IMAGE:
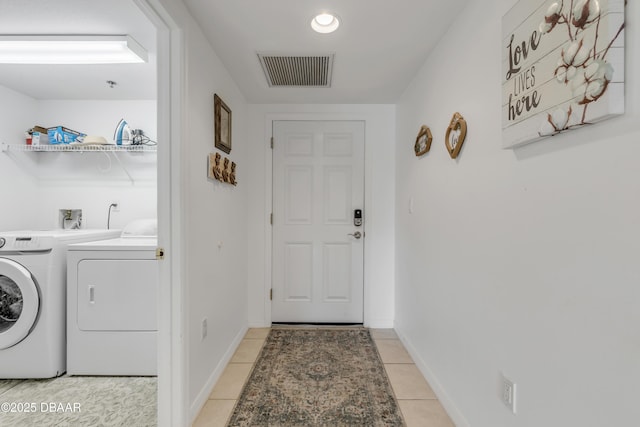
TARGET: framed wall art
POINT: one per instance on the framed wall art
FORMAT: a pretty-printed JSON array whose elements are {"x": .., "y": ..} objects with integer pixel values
[
  {"x": 455, "y": 135},
  {"x": 221, "y": 169},
  {"x": 562, "y": 66},
  {"x": 423, "y": 141},
  {"x": 222, "y": 124}
]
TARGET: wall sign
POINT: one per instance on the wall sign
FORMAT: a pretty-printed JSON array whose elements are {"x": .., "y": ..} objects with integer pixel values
[{"x": 562, "y": 66}]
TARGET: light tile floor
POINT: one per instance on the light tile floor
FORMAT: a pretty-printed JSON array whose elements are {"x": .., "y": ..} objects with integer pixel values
[{"x": 418, "y": 403}]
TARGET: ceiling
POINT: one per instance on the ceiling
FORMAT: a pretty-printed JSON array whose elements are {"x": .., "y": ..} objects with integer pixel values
[
  {"x": 378, "y": 48},
  {"x": 112, "y": 17}
]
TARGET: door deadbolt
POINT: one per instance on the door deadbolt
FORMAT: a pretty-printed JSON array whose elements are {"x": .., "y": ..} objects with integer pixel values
[{"x": 357, "y": 217}]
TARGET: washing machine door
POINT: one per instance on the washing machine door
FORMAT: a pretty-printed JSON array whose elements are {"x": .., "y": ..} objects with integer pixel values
[{"x": 19, "y": 303}]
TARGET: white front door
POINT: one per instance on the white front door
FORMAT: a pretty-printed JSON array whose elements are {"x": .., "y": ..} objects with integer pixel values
[{"x": 318, "y": 252}]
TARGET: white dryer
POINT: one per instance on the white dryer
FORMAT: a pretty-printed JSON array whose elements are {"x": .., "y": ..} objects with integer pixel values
[
  {"x": 33, "y": 300},
  {"x": 112, "y": 304}
]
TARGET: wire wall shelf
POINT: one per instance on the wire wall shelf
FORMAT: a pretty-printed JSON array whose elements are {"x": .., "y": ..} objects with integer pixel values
[
  {"x": 112, "y": 152},
  {"x": 78, "y": 148}
]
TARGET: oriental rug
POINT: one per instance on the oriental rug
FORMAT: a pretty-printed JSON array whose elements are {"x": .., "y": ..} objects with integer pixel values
[{"x": 317, "y": 377}]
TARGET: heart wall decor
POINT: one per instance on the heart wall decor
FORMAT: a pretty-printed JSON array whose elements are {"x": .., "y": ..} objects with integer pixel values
[
  {"x": 423, "y": 141},
  {"x": 456, "y": 133}
]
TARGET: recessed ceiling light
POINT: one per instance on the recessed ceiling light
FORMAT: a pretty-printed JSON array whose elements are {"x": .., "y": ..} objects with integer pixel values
[{"x": 325, "y": 23}]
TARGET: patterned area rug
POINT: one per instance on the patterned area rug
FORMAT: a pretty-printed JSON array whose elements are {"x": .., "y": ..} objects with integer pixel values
[
  {"x": 79, "y": 402},
  {"x": 317, "y": 377}
]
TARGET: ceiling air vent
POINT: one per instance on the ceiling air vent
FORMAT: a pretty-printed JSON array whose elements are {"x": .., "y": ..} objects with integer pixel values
[{"x": 297, "y": 70}]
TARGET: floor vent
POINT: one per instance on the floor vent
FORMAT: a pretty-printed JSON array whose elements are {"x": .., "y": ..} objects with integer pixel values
[{"x": 296, "y": 70}]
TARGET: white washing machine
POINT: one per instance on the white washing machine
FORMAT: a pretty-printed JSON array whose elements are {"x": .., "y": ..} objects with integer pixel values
[
  {"x": 112, "y": 304},
  {"x": 33, "y": 300}
]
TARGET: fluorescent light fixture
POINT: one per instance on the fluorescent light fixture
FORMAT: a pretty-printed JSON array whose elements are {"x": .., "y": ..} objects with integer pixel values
[
  {"x": 325, "y": 23},
  {"x": 70, "y": 49}
]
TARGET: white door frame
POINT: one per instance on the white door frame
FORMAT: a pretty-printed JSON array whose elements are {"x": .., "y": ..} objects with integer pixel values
[
  {"x": 268, "y": 180},
  {"x": 172, "y": 373}
]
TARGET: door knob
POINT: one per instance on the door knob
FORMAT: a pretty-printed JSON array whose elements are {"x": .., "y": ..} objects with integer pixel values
[{"x": 357, "y": 234}]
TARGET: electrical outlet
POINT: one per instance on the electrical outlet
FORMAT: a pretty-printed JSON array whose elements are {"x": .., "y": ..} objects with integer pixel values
[
  {"x": 204, "y": 328},
  {"x": 509, "y": 393},
  {"x": 115, "y": 206}
]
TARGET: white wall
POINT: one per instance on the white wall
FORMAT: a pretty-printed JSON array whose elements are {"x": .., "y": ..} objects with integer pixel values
[
  {"x": 378, "y": 213},
  {"x": 216, "y": 223},
  {"x": 91, "y": 181},
  {"x": 18, "y": 209},
  {"x": 215, "y": 218},
  {"x": 43, "y": 183},
  {"x": 135, "y": 202},
  {"x": 518, "y": 261}
]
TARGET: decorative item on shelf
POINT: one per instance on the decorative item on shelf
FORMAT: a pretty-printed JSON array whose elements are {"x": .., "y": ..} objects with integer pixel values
[
  {"x": 423, "y": 141},
  {"x": 562, "y": 67},
  {"x": 456, "y": 133},
  {"x": 222, "y": 121}
]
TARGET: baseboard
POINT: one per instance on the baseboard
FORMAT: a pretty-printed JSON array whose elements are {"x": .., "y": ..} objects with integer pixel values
[
  {"x": 259, "y": 325},
  {"x": 454, "y": 413},
  {"x": 379, "y": 323},
  {"x": 203, "y": 396}
]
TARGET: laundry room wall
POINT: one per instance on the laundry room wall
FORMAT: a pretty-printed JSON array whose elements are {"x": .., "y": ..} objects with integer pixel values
[
  {"x": 92, "y": 181},
  {"x": 18, "y": 209},
  {"x": 378, "y": 213},
  {"x": 43, "y": 183},
  {"x": 214, "y": 217},
  {"x": 521, "y": 262}
]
